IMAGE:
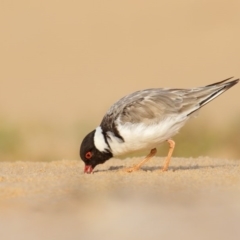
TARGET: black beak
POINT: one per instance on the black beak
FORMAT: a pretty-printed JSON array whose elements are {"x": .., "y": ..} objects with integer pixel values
[{"x": 88, "y": 169}]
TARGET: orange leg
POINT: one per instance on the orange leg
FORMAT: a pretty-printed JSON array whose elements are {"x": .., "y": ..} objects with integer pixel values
[
  {"x": 168, "y": 158},
  {"x": 148, "y": 157}
]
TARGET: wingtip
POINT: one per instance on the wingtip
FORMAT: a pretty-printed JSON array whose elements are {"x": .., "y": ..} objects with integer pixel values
[
  {"x": 225, "y": 80},
  {"x": 234, "y": 81},
  {"x": 230, "y": 84}
]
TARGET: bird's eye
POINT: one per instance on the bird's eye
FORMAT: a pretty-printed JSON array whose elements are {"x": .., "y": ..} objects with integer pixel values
[{"x": 88, "y": 155}]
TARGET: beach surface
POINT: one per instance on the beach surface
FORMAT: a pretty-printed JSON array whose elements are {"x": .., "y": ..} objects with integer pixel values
[{"x": 198, "y": 198}]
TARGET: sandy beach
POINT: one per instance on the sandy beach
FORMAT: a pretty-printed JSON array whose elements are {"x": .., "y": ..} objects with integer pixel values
[{"x": 198, "y": 198}]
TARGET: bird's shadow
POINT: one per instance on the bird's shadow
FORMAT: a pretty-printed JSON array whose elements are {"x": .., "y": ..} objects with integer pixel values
[
  {"x": 157, "y": 168},
  {"x": 112, "y": 168}
]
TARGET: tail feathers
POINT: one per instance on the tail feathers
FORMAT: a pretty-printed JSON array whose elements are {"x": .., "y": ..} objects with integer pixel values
[
  {"x": 210, "y": 92},
  {"x": 222, "y": 88}
]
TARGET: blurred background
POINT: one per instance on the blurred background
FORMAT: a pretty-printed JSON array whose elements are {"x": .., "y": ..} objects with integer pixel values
[{"x": 64, "y": 63}]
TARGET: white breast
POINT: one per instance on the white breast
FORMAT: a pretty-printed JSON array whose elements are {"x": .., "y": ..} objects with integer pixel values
[{"x": 141, "y": 136}]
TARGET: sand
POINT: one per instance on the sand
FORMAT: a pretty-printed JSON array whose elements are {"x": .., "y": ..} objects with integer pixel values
[{"x": 198, "y": 198}]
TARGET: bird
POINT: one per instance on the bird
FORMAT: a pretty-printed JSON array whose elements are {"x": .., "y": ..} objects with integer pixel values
[{"x": 143, "y": 120}]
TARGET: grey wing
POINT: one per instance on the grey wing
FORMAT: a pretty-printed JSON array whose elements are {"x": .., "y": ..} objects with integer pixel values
[
  {"x": 154, "y": 105},
  {"x": 150, "y": 105}
]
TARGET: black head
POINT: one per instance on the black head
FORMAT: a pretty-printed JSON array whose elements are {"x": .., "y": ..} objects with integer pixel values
[{"x": 91, "y": 155}]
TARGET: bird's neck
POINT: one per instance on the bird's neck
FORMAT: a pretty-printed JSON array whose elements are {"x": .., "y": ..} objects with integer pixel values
[{"x": 100, "y": 140}]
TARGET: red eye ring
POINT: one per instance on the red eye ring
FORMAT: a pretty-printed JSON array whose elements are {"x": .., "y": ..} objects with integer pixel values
[{"x": 88, "y": 155}]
